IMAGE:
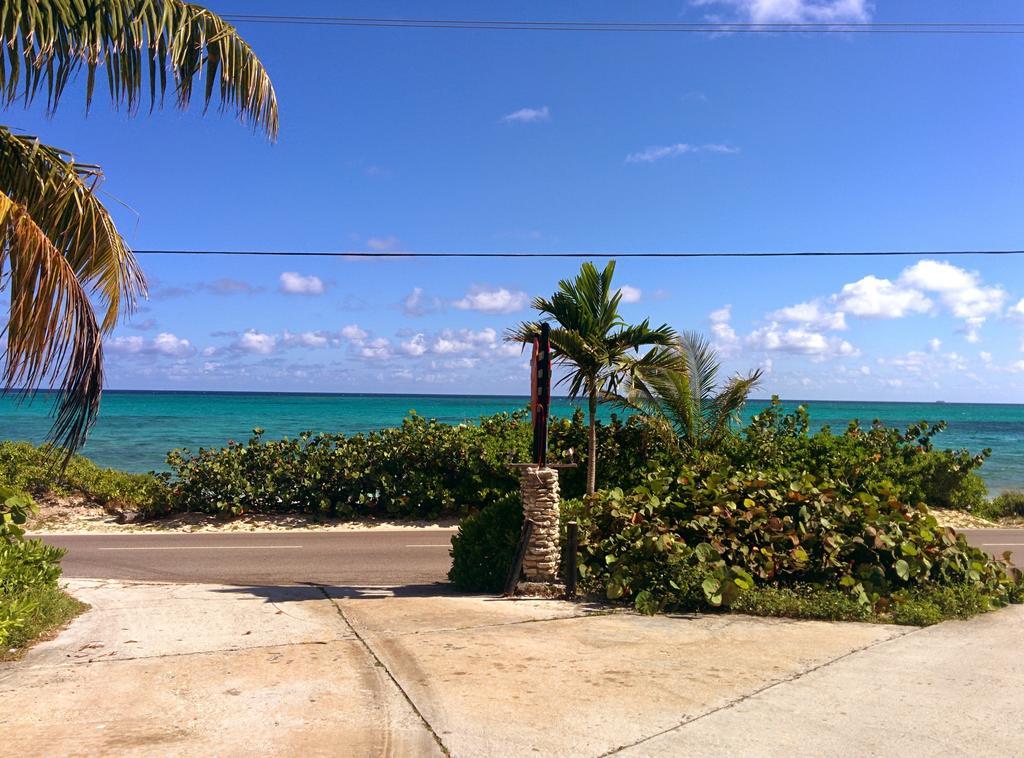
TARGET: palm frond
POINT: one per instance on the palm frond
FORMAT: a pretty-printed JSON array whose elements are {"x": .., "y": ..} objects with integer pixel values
[
  {"x": 59, "y": 251},
  {"x": 728, "y": 403},
  {"x": 60, "y": 197},
  {"x": 675, "y": 386},
  {"x": 52, "y": 329},
  {"x": 139, "y": 44}
]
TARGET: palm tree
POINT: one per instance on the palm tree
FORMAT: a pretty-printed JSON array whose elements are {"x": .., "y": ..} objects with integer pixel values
[
  {"x": 677, "y": 392},
  {"x": 59, "y": 247},
  {"x": 590, "y": 338}
]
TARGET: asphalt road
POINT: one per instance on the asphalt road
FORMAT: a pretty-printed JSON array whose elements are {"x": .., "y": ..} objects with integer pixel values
[
  {"x": 351, "y": 559},
  {"x": 348, "y": 559},
  {"x": 997, "y": 541}
]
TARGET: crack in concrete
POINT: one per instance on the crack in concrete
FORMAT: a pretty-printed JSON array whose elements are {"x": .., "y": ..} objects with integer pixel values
[
  {"x": 743, "y": 698},
  {"x": 377, "y": 660}
]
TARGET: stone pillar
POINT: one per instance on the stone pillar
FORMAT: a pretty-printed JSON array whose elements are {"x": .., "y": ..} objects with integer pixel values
[{"x": 539, "y": 490}]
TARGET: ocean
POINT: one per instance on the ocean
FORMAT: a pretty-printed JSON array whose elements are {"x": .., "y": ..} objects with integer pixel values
[{"x": 135, "y": 430}]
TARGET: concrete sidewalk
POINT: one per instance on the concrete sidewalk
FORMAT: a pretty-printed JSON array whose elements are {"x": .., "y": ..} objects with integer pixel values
[{"x": 171, "y": 669}]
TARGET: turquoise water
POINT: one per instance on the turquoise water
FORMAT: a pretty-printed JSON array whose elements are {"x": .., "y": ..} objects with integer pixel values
[{"x": 136, "y": 429}]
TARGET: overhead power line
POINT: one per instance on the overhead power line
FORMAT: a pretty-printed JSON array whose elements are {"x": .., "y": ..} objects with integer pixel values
[
  {"x": 577, "y": 254},
  {"x": 990, "y": 28}
]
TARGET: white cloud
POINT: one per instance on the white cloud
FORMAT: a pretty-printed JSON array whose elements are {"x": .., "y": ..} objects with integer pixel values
[
  {"x": 527, "y": 116},
  {"x": 125, "y": 344},
  {"x": 630, "y": 294},
  {"x": 724, "y": 335},
  {"x": 799, "y": 341},
  {"x": 353, "y": 333},
  {"x": 872, "y": 297},
  {"x": 812, "y": 314},
  {"x": 253, "y": 341},
  {"x": 416, "y": 346},
  {"x": 294, "y": 283},
  {"x": 417, "y": 303},
  {"x": 493, "y": 301},
  {"x": 794, "y": 11},
  {"x": 305, "y": 339},
  {"x": 381, "y": 244},
  {"x": 464, "y": 341},
  {"x": 376, "y": 349},
  {"x": 166, "y": 343},
  {"x": 986, "y": 358},
  {"x": 1017, "y": 311},
  {"x": 961, "y": 291},
  {"x": 656, "y": 153},
  {"x": 934, "y": 344}
]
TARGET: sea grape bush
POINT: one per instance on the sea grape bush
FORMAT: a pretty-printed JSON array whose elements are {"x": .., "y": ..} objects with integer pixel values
[
  {"x": 422, "y": 469},
  {"x": 862, "y": 457},
  {"x": 685, "y": 539},
  {"x": 28, "y": 568}
]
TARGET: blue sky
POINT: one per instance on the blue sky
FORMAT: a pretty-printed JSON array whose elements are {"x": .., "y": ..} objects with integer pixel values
[{"x": 420, "y": 140}]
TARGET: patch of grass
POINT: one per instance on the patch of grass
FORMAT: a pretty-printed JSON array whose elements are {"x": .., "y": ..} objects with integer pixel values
[
  {"x": 802, "y": 602},
  {"x": 36, "y": 470},
  {"x": 923, "y": 606},
  {"x": 50, "y": 609}
]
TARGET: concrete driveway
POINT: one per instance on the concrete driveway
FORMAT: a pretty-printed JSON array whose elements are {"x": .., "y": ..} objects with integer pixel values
[{"x": 185, "y": 669}]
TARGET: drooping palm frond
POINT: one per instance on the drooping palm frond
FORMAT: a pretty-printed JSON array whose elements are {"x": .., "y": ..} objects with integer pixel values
[
  {"x": 52, "y": 329},
  {"x": 678, "y": 390},
  {"x": 59, "y": 250},
  {"x": 139, "y": 44}
]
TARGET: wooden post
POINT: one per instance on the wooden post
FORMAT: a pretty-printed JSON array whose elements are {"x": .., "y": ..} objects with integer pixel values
[
  {"x": 571, "y": 568},
  {"x": 516, "y": 569}
]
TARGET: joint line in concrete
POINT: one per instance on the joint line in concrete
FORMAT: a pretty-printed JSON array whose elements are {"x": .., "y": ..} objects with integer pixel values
[
  {"x": 743, "y": 698},
  {"x": 391, "y": 676}
]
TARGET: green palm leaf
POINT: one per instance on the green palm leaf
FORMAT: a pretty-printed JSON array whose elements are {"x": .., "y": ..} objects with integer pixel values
[{"x": 140, "y": 45}]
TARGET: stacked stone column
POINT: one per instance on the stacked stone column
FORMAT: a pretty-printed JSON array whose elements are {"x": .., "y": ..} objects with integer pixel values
[{"x": 539, "y": 490}]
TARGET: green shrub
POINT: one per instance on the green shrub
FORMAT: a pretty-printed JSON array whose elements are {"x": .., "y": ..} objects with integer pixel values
[
  {"x": 737, "y": 530},
  {"x": 484, "y": 547},
  {"x": 37, "y": 471},
  {"x": 861, "y": 458},
  {"x": 30, "y": 600},
  {"x": 1009, "y": 504},
  {"x": 422, "y": 469}
]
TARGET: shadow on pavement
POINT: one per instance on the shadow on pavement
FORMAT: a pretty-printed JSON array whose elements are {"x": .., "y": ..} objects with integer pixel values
[{"x": 310, "y": 591}]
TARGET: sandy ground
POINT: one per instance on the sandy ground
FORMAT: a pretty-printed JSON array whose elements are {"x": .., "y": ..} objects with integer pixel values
[{"x": 73, "y": 515}]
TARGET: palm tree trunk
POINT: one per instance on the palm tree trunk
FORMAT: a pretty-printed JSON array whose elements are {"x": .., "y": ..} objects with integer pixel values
[{"x": 592, "y": 444}]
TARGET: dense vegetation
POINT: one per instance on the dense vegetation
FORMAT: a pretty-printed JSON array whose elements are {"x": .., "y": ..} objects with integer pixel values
[
  {"x": 685, "y": 512},
  {"x": 30, "y": 600},
  {"x": 778, "y": 521},
  {"x": 773, "y": 519},
  {"x": 422, "y": 469}
]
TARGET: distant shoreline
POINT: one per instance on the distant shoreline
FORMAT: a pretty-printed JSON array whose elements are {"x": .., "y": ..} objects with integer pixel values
[{"x": 262, "y": 393}]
